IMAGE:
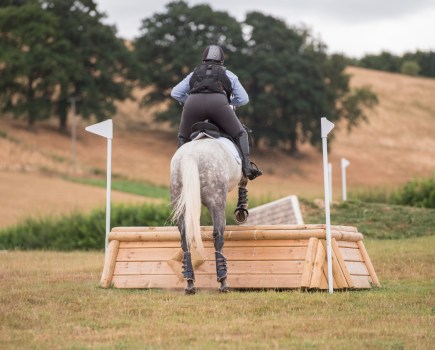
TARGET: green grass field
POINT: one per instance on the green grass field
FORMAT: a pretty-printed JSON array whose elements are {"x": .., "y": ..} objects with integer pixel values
[{"x": 51, "y": 300}]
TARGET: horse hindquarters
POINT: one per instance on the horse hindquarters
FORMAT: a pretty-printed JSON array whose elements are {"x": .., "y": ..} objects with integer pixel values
[{"x": 187, "y": 201}]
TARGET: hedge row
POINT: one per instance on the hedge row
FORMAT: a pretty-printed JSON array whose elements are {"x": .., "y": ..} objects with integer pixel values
[{"x": 80, "y": 231}]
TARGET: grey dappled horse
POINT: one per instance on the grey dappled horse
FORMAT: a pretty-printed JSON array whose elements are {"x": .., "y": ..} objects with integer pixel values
[{"x": 203, "y": 171}]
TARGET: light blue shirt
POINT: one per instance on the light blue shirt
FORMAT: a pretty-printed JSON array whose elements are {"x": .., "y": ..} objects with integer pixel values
[{"x": 239, "y": 96}]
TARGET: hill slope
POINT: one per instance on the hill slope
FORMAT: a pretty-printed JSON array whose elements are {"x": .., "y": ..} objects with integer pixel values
[{"x": 396, "y": 145}]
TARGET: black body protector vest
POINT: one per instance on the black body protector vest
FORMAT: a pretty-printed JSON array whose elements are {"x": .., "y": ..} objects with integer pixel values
[{"x": 210, "y": 78}]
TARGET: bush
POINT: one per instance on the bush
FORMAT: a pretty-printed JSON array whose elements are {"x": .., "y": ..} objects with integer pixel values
[
  {"x": 416, "y": 193},
  {"x": 410, "y": 68},
  {"x": 80, "y": 231}
]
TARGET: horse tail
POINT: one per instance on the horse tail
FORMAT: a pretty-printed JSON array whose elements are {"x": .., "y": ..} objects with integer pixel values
[{"x": 189, "y": 202}]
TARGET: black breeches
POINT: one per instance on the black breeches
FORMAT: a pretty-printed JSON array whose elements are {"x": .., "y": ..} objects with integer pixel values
[{"x": 215, "y": 108}]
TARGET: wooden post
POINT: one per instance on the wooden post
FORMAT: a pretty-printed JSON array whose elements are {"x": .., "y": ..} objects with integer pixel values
[
  {"x": 342, "y": 264},
  {"x": 318, "y": 266},
  {"x": 368, "y": 263},
  {"x": 109, "y": 265},
  {"x": 309, "y": 262},
  {"x": 337, "y": 274}
]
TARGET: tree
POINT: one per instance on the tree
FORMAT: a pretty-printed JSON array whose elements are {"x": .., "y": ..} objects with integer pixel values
[
  {"x": 292, "y": 83},
  {"x": 53, "y": 50},
  {"x": 410, "y": 68},
  {"x": 171, "y": 45},
  {"x": 101, "y": 69},
  {"x": 31, "y": 60},
  {"x": 384, "y": 61},
  {"x": 425, "y": 60},
  {"x": 290, "y": 79}
]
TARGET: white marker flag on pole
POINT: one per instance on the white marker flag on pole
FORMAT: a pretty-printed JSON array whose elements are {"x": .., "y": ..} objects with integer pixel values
[
  {"x": 330, "y": 181},
  {"x": 326, "y": 127},
  {"x": 344, "y": 164},
  {"x": 105, "y": 129}
]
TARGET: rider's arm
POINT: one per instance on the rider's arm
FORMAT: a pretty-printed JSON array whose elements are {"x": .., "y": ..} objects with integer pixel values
[
  {"x": 181, "y": 91},
  {"x": 240, "y": 96}
]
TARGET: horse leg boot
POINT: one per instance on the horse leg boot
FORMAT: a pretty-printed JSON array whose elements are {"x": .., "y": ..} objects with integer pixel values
[
  {"x": 241, "y": 212},
  {"x": 250, "y": 169},
  {"x": 221, "y": 262},
  {"x": 188, "y": 273}
]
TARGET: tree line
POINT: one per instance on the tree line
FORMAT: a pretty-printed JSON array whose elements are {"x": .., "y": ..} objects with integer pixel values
[
  {"x": 418, "y": 63},
  {"x": 53, "y": 51}
]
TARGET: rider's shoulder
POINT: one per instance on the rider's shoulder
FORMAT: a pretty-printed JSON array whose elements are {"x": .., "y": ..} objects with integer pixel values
[{"x": 231, "y": 75}]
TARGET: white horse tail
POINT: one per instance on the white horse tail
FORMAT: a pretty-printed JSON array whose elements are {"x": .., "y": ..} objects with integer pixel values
[{"x": 189, "y": 202}]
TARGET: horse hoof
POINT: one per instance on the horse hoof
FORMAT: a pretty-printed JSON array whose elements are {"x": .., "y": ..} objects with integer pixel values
[
  {"x": 190, "y": 291},
  {"x": 224, "y": 289}
]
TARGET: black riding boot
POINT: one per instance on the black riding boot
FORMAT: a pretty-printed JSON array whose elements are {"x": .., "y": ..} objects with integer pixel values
[
  {"x": 250, "y": 169},
  {"x": 182, "y": 140}
]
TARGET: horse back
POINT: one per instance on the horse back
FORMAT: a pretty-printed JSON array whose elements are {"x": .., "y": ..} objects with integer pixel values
[{"x": 217, "y": 166}]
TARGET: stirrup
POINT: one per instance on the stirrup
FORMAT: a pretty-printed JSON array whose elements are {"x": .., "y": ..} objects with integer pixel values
[{"x": 252, "y": 172}]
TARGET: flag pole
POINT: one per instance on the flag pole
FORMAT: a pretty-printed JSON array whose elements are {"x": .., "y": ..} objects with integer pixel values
[
  {"x": 326, "y": 127},
  {"x": 105, "y": 129}
]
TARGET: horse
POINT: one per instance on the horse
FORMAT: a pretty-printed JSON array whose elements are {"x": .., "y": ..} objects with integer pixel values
[{"x": 203, "y": 171}]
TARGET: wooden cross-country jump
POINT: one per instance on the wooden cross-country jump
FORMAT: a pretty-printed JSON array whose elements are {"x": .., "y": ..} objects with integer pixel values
[{"x": 262, "y": 256}]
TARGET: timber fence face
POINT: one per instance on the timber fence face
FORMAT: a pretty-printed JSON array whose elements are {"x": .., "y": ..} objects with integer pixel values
[{"x": 264, "y": 256}]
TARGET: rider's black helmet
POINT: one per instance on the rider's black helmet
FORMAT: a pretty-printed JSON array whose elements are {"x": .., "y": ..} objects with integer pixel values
[{"x": 213, "y": 53}]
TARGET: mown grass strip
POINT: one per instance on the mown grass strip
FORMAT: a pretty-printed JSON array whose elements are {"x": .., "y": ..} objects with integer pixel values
[
  {"x": 135, "y": 187},
  {"x": 46, "y": 289}
]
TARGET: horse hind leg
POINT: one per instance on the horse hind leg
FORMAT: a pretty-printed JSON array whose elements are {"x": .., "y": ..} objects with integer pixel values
[
  {"x": 218, "y": 235},
  {"x": 188, "y": 273}
]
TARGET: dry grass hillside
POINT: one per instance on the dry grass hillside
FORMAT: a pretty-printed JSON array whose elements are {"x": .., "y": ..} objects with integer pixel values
[{"x": 396, "y": 145}]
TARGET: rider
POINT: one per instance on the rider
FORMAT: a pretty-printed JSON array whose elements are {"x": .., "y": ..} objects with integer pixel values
[{"x": 207, "y": 93}]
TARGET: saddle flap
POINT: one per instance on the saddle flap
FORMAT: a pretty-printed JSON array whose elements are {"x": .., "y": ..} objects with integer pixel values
[{"x": 205, "y": 127}]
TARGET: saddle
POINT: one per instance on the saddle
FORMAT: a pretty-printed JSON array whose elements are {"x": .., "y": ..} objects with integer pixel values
[
  {"x": 213, "y": 130},
  {"x": 207, "y": 128}
]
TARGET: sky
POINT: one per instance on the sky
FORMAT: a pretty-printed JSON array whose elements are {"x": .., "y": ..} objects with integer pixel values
[{"x": 351, "y": 27}]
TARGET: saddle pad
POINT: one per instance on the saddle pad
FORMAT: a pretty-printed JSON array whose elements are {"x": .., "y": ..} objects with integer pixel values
[{"x": 223, "y": 140}]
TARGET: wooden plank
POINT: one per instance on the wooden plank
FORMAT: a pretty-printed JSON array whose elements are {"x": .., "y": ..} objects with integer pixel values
[
  {"x": 341, "y": 263},
  {"x": 210, "y": 244},
  {"x": 350, "y": 254},
  {"x": 357, "y": 268},
  {"x": 316, "y": 276},
  {"x": 325, "y": 272},
  {"x": 153, "y": 244},
  {"x": 337, "y": 274},
  {"x": 143, "y": 268},
  {"x": 109, "y": 264},
  {"x": 309, "y": 262},
  {"x": 369, "y": 264},
  {"x": 323, "y": 282},
  {"x": 280, "y": 212},
  {"x": 257, "y": 234},
  {"x": 235, "y": 253},
  {"x": 362, "y": 282},
  {"x": 346, "y": 244},
  {"x": 268, "y": 243},
  {"x": 237, "y": 228},
  {"x": 209, "y": 267},
  {"x": 147, "y": 254},
  {"x": 208, "y": 281}
]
